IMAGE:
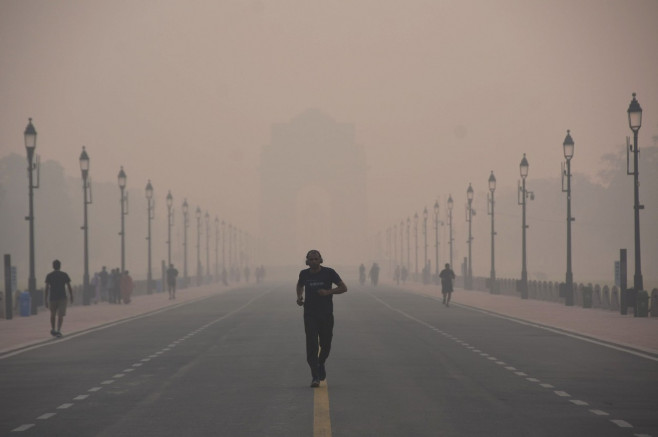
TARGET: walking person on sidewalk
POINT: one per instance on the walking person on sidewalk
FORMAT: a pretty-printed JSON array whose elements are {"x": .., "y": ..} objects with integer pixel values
[
  {"x": 127, "y": 287},
  {"x": 447, "y": 277},
  {"x": 315, "y": 284},
  {"x": 172, "y": 274},
  {"x": 55, "y": 297}
]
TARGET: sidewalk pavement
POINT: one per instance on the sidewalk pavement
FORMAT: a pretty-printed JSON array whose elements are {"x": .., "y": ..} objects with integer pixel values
[
  {"x": 640, "y": 333},
  {"x": 21, "y": 332}
]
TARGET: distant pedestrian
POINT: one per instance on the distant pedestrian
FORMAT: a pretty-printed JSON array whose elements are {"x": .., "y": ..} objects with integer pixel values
[
  {"x": 114, "y": 286},
  {"x": 172, "y": 275},
  {"x": 126, "y": 287},
  {"x": 362, "y": 274},
  {"x": 315, "y": 284},
  {"x": 105, "y": 276},
  {"x": 96, "y": 283},
  {"x": 447, "y": 277},
  {"x": 374, "y": 274},
  {"x": 55, "y": 297}
]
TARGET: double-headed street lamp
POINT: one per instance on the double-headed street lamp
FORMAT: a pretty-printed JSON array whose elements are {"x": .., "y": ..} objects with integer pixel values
[
  {"x": 198, "y": 246},
  {"x": 86, "y": 194},
  {"x": 186, "y": 224},
  {"x": 408, "y": 245},
  {"x": 568, "y": 147},
  {"x": 401, "y": 245},
  {"x": 124, "y": 211},
  {"x": 491, "y": 203},
  {"x": 223, "y": 248},
  {"x": 523, "y": 194},
  {"x": 635, "y": 122},
  {"x": 30, "y": 137},
  {"x": 451, "y": 204},
  {"x": 216, "y": 248},
  {"x": 469, "y": 219},
  {"x": 149, "y": 214},
  {"x": 170, "y": 220}
]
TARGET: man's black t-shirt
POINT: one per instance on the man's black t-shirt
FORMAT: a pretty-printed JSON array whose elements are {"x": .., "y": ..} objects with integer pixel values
[
  {"x": 57, "y": 281},
  {"x": 312, "y": 282}
]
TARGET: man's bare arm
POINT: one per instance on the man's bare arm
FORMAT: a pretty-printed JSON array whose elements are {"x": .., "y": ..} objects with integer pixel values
[{"x": 340, "y": 289}]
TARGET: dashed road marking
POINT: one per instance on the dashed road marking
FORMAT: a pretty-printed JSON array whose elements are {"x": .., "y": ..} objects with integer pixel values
[
  {"x": 563, "y": 394},
  {"x": 108, "y": 382},
  {"x": 65, "y": 406},
  {"x": 93, "y": 389},
  {"x": 621, "y": 423},
  {"x": 577, "y": 402},
  {"x": 46, "y": 416},
  {"x": 80, "y": 397},
  {"x": 599, "y": 412},
  {"x": 23, "y": 427}
]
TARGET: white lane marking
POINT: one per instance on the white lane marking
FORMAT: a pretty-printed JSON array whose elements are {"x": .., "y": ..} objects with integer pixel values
[
  {"x": 80, "y": 397},
  {"x": 118, "y": 375},
  {"x": 547, "y": 385},
  {"x": 599, "y": 412},
  {"x": 621, "y": 423},
  {"x": 532, "y": 379},
  {"x": 128, "y": 370},
  {"x": 64, "y": 406},
  {"x": 501, "y": 363},
  {"x": 93, "y": 389},
  {"x": 492, "y": 358},
  {"x": 46, "y": 416},
  {"x": 107, "y": 382},
  {"x": 521, "y": 373},
  {"x": 642, "y": 435},
  {"x": 577, "y": 402},
  {"x": 511, "y": 368},
  {"x": 137, "y": 364},
  {"x": 23, "y": 427},
  {"x": 144, "y": 360},
  {"x": 563, "y": 394}
]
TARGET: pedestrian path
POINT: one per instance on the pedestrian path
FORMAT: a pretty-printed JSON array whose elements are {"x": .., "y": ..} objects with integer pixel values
[
  {"x": 21, "y": 332},
  {"x": 639, "y": 333}
]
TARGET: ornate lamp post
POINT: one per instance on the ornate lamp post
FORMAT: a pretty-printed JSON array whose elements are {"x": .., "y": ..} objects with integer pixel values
[
  {"x": 568, "y": 146},
  {"x": 401, "y": 245},
  {"x": 207, "y": 276},
  {"x": 408, "y": 245},
  {"x": 170, "y": 220},
  {"x": 425, "y": 271},
  {"x": 436, "y": 240},
  {"x": 149, "y": 217},
  {"x": 216, "y": 248},
  {"x": 523, "y": 194},
  {"x": 86, "y": 188},
  {"x": 416, "y": 243},
  {"x": 186, "y": 224},
  {"x": 223, "y": 246},
  {"x": 30, "y": 137},
  {"x": 469, "y": 219},
  {"x": 124, "y": 211},
  {"x": 635, "y": 122},
  {"x": 451, "y": 204},
  {"x": 198, "y": 245},
  {"x": 491, "y": 203}
]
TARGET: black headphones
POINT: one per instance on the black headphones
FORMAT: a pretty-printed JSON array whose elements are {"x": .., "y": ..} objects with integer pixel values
[{"x": 314, "y": 252}]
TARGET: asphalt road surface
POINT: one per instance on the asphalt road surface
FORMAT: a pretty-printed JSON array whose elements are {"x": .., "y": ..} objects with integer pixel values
[{"x": 401, "y": 365}]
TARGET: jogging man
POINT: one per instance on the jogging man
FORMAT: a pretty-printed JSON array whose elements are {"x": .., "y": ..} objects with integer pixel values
[
  {"x": 315, "y": 283},
  {"x": 56, "y": 281},
  {"x": 447, "y": 276}
]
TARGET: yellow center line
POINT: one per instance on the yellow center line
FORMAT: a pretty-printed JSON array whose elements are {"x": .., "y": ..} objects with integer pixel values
[{"x": 321, "y": 419}]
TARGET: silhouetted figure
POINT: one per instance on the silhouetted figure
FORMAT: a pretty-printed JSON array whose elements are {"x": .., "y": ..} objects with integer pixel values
[
  {"x": 447, "y": 277},
  {"x": 172, "y": 276},
  {"x": 373, "y": 274},
  {"x": 315, "y": 284},
  {"x": 55, "y": 297},
  {"x": 362, "y": 274},
  {"x": 127, "y": 287}
]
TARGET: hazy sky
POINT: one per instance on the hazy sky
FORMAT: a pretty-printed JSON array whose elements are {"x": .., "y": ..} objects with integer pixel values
[{"x": 440, "y": 92}]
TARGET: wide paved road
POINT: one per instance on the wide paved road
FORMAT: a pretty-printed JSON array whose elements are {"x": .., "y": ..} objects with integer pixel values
[{"x": 401, "y": 365}]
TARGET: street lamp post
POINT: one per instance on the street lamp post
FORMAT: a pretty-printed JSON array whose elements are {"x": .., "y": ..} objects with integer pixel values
[
  {"x": 469, "y": 219},
  {"x": 523, "y": 194},
  {"x": 568, "y": 147},
  {"x": 207, "y": 276},
  {"x": 408, "y": 245},
  {"x": 491, "y": 203},
  {"x": 216, "y": 248},
  {"x": 198, "y": 245},
  {"x": 149, "y": 217},
  {"x": 186, "y": 224},
  {"x": 401, "y": 245},
  {"x": 425, "y": 270},
  {"x": 451, "y": 203},
  {"x": 124, "y": 211},
  {"x": 416, "y": 244},
  {"x": 436, "y": 240},
  {"x": 223, "y": 248},
  {"x": 30, "y": 137},
  {"x": 635, "y": 122},
  {"x": 86, "y": 188},
  {"x": 170, "y": 219}
]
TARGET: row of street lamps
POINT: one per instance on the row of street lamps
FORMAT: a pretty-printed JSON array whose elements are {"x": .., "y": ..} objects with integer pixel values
[
  {"x": 635, "y": 122},
  {"x": 30, "y": 137}
]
